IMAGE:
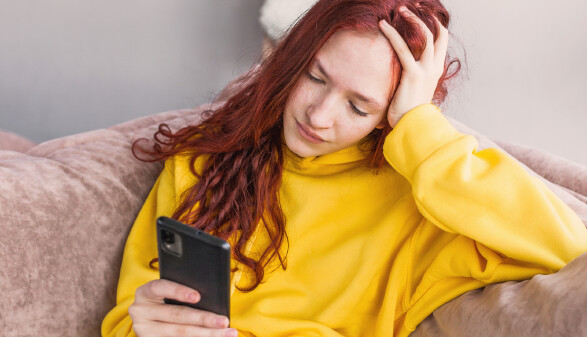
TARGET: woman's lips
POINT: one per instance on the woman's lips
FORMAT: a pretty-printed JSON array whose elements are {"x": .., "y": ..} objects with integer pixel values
[{"x": 309, "y": 135}]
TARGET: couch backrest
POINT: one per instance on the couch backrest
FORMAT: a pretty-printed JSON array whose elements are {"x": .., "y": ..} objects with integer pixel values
[
  {"x": 10, "y": 141},
  {"x": 66, "y": 207}
]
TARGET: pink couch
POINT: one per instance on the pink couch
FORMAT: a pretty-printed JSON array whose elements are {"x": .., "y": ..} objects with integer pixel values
[
  {"x": 67, "y": 205},
  {"x": 10, "y": 141}
]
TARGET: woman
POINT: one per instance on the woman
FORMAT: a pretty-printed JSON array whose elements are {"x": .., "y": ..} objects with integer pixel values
[{"x": 352, "y": 206}]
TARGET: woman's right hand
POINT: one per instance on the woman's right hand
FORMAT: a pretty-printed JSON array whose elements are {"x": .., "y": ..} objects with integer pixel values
[{"x": 153, "y": 317}]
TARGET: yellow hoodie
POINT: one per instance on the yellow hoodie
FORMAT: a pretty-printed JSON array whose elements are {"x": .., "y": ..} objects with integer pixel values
[{"x": 373, "y": 255}]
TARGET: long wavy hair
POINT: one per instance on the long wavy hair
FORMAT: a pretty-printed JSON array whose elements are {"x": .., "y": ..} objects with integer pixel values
[{"x": 240, "y": 143}]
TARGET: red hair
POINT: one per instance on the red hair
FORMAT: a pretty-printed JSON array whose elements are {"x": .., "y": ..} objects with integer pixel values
[{"x": 237, "y": 189}]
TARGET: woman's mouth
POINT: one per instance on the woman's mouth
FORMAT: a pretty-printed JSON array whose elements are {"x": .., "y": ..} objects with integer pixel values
[{"x": 308, "y": 135}]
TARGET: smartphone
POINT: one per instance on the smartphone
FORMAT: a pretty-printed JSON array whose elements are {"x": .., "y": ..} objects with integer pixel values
[{"x": 198, "y": 260}]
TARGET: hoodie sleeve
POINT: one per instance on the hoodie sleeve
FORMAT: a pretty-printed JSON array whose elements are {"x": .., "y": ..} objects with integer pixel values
[{"x": 506, "y": 224}]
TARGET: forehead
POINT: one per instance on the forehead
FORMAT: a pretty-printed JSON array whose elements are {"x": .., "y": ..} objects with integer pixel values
[{"x": 358, "y": 62}]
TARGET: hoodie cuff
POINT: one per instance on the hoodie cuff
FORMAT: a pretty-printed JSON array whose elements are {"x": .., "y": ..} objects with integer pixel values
[{"x": 417, "y": 135}]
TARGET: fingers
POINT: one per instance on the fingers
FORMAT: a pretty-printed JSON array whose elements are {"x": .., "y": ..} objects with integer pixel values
[
  {"x": 168, "y": 329},
  {"x": 441, "y": 44},
  {"x": 398, "y": 43},
  {"x": 152, "y": 317},
  {"x": 157, "y": 290},
  {"x": 181, "y": 314},
  {"x": 434, "y": 51},
  {"x": 428, "y": 53},
  {"x": 150, "y": 306}
]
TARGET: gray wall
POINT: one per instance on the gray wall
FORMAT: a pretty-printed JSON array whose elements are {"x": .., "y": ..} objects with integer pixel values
[
  {"x": 527, "y": 63},
  {"x": 68, "y": 66}
]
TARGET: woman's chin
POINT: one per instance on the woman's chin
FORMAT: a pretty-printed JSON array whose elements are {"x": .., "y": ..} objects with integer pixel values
[
  {"x": 300, "y": 149},
  {"x": 302, "y": 153}
]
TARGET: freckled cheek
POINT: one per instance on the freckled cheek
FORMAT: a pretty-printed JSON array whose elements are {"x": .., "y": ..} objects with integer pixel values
[
  {"x": 297, "y": 106},
  {"x": 354, "y": 130},
  {"x": 294, "y": 103}
]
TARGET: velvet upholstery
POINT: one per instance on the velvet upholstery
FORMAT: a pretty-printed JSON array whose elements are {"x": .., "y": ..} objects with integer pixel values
[
  {"x": 10, "y": 141},
  {"x": 66, "y": 208}
]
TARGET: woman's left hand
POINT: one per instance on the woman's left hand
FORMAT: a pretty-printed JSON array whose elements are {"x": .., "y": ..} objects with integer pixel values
[{"x": 419, "y": 78}]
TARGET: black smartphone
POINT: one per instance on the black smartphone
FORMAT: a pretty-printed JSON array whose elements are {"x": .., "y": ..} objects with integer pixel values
[{"x": 198, "y": 260}]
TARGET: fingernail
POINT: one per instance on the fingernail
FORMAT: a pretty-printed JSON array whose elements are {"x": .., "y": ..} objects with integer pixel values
[
  {"x": 231, "y": 333},
  {"x": 193, "y": 297},
  {"x": 385, "y": 23},
  {"x": 222, "y": 321}
]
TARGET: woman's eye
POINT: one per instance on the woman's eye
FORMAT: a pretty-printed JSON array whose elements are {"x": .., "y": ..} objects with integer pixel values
[
  {"x": 315, "y": 79},
  {"x": 357, "y": 111}
]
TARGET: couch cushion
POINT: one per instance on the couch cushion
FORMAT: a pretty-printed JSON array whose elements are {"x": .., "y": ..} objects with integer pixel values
[
  {"x": 66, "y": 208},
  {"x": 10, "y": 141}
]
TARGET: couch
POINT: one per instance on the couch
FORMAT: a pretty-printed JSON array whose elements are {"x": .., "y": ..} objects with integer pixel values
[
  {"x": 10, "y": 141},
  {"x": 67, "y": 205}
]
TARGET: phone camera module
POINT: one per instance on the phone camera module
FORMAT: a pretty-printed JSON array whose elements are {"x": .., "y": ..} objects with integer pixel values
[
  {"x": 168, "y": 237},
  {"x": 171, "y": 242}
]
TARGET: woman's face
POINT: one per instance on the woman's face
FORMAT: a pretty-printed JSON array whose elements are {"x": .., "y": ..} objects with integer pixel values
[{"x": 342, "y": 98}]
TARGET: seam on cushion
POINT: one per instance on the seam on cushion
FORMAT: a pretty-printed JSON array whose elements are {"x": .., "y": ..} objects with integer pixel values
[
  {"x": 112, "y": 132},
  {"x": 71, "y": 141},
  {"x": 67, "y": 168},
  {"x": 51, "y": 155}
]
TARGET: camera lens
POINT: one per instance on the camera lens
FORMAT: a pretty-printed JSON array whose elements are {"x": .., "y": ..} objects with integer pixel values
[
  {"x": 168, "y": 237},
  {"x": 170, "y": 242}
]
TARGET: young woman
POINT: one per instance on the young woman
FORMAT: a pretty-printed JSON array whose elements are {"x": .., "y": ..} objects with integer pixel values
[{"x": 352, "y": 206}]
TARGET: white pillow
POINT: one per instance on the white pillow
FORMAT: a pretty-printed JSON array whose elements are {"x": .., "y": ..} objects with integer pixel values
[{"x": 277, "y": 16}]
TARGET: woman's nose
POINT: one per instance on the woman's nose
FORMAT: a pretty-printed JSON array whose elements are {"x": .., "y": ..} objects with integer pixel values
[{"x": 322, "y": 112}]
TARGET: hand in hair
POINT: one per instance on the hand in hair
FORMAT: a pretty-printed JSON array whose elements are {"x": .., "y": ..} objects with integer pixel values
[
  {"x": 419, "y": 78},
  {"x": 152, "y": 317}
]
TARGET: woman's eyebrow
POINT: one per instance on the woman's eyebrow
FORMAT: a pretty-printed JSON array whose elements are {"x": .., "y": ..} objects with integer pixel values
[{"x": 364, "y": 98}]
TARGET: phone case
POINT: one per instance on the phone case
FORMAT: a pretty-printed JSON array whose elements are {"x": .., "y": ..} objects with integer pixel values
[{"x": 198, "y": 260}]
